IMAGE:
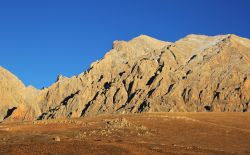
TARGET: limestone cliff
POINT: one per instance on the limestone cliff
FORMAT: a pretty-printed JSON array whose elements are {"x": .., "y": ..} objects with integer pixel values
[
  {"x": 16, "y": 99},
  {"x": 197, "y": 73}
]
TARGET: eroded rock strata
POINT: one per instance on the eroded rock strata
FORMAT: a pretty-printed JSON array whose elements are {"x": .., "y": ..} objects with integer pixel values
[{"x": 195, "y": 74}]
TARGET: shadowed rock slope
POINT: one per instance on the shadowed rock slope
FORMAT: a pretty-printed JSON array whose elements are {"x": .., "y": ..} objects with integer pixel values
[{"x": 195, "y": 74}]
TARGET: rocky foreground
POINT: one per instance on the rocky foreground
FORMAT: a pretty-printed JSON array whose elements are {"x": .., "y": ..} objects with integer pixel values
[
  {"x": 144, "y": 134},
  {"x": 195, "y": 74}
]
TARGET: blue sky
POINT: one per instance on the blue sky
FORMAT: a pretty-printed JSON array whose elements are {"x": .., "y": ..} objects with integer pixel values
[{"x": 40, "y": 39}]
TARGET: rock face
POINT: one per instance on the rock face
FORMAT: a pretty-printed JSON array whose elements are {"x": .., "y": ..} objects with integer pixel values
[
  {"x": 195, "y": 74},
  {"x": 16, "y": 99}
]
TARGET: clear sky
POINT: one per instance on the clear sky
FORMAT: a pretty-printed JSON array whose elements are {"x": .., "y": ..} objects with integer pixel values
[{"x": 40, "y": 39}]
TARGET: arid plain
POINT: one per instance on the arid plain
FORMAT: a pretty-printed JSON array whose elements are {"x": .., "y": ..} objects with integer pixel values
[{"x": 137, "y": 134}]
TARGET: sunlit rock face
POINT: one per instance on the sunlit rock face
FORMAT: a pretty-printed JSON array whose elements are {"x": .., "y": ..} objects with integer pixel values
[
  {"x": 17, "y": 102},
  {"x": 195, "y": 74}
]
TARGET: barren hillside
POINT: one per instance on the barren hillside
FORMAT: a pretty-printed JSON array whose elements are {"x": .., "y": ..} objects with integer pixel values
[{"x": 195, "y": 74}]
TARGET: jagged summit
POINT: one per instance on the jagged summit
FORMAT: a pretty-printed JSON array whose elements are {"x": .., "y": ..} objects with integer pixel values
[
  {"x": 211, "y": 39},
  {"x": 142, "y": 41},
  {"x": 146, "y": 38},
  {"x": 60, "y": 78},
  {"x": 195, "y": 74},
  {"x": 203, "y": 39},
  {"x": 200, "y": 36}
]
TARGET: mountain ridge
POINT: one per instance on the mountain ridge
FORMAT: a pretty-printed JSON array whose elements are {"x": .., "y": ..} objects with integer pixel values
[{"x": 196, "y": 73}]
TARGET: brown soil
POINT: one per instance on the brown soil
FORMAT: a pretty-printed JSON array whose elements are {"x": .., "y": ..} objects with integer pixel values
[{"x": 153, "y": 133}]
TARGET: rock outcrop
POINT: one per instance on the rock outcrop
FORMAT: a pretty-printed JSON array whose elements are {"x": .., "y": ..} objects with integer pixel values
[
  {"x": 16, "y": 100},
  {"x": 195, "y": 74}
]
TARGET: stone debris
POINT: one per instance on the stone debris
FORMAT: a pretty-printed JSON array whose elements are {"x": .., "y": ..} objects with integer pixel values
[
  {"x": 57, "y": 138},
  {"x": 118, "y": 123},
  {"x": 113, "y": 126}
]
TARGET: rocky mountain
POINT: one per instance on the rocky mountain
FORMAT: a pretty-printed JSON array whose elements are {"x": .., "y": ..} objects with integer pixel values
[
  {"x": 16, "y": 99},
  {"x": 195, "y": 74}
]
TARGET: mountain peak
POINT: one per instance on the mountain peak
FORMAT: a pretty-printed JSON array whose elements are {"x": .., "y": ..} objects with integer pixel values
[
  {"x": 198, "y": 37},
  {"x": 145, "y": 37},
  {"x": 197, "y": 73},
  {"x": 139, "y": 45},
  {"x": 7, "y": 76},
  {"x": 60, "y": 77},
  {"x": 148, "y": 40}
]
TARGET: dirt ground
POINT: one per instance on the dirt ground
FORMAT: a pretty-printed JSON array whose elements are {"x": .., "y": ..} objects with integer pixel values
[{"x": 137, "y": 134}]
